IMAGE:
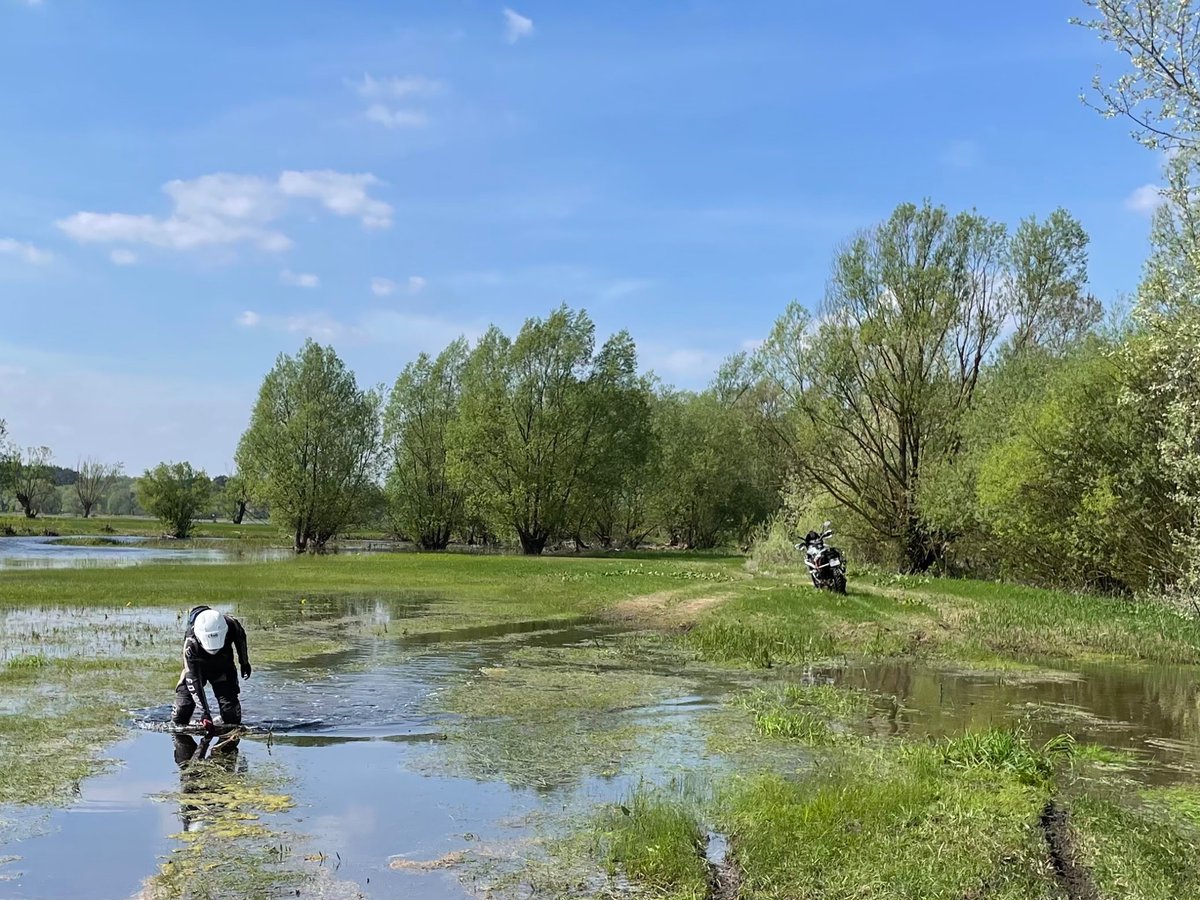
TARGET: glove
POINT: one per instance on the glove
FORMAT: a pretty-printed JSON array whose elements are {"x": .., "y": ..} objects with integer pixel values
[
  {"x": 207, "y": 724},
  {"x": 246, "y": 670}
]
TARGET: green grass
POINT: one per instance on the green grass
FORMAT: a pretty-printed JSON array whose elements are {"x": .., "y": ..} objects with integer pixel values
[
  {"x": 888, "y": 825},
  {"x": 815, "y": 715},
  {"x": 1139, "y": 854},
  {"x": 656, "y": 842},
  {"x": 1009, "y": 752},
  {"x": 780, "y": 620},
  {"x": 1011, "y": 620}
]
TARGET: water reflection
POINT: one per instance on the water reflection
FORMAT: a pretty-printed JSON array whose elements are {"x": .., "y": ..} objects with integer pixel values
[
  {"x": 1153, "y": 711},
  {"x": 194, "y": 779}
]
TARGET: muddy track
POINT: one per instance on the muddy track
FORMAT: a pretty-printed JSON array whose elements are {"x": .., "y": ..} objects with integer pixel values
[
  {"x": 1075, "y": 879},
  {"x": 724, "y": 874}
]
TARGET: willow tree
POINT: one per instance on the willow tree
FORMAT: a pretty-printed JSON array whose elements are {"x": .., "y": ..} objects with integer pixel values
[
  {"x": 31, "y": 480},
  {"x": 313, "y": 445},
  {"x": 536, "y": 414},
  {"x": 425, "y": 499},
  {"x": 877, "y": 384},
  {"x": 92, "y": 482}
]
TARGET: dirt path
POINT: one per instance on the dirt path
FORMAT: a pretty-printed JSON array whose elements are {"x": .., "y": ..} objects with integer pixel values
[{"x": 667, "y": 609}]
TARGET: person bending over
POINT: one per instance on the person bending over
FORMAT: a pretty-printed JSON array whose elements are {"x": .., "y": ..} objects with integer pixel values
[{"x": 208, "y": 659}]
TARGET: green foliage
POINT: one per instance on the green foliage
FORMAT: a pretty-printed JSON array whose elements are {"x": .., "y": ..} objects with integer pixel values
[
  {"x": 1076, "y": 494},
  {"x": 313, "y": 445},
  {"x": 1157, "y": 93},
  {"x": 235, "y": 498},
  {"x": 1050, "y": 307},
  {"x": 874, "y": 393},
  {"x": 425, "y": 500},
  {"x": 175, "y": 494},
  {"x": 774, "y": 547},
  {"x": 712, "y": 485},
  {"x": 538, "y": 416}
]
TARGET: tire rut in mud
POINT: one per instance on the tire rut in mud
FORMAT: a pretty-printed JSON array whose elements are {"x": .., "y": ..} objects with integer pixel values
[
  {"x": 1074, "y": 878},
  {"x": 724, "y": 874}
]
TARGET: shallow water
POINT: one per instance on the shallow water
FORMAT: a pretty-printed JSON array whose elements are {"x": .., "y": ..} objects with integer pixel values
[
  {"x": 1152, "y": 711},
  {"x": 362, "y": 735},
  {"x": 40, "y": 552}
]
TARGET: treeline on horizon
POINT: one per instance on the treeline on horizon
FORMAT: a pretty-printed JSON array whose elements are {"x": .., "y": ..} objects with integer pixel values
[{"x": 959, "y": 403}]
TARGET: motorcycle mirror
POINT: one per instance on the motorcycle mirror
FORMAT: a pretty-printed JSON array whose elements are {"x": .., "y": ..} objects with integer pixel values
[{"x": 825, "y": 527}]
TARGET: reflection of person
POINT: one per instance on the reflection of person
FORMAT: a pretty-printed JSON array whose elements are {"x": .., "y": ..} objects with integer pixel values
[
  {"x": 208, "y": 649},
  {"x": 188, "y": 752}
]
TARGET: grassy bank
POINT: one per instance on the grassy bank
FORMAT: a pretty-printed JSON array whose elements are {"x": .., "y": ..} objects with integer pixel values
[{"x": 780, "y": 620}]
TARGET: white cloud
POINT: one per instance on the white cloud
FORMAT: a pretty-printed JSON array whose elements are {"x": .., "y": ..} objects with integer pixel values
[
  {"x": 249, "y": 319},
  {"x": 299, "y": 279},
  {"x": 227, "y": 209},
  {"x": 385, "y": 287},
  {"x": 409, "y": 88},
  {"x": 382, "y": 287},
  {"x": 341, "y": 193},
  {"x": 396, "y": 118},
  {"x": 961, "y": 154},
  {"x": 1145, "y": 200},
  {"x": 686, "y": 366},
  {"x": 751, "y": 344},
  {"x": 516, "y": 26},
  {"x": 121, "y": 257},
  {"x": 35, "y": 256},
  {"x": 405, "y": 87}
]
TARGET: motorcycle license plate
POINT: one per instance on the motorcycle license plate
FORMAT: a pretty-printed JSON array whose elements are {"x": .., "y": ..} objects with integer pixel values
[{"x": 834, "y": 561}]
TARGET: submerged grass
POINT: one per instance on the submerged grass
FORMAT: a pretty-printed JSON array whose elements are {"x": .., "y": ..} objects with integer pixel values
[
  {"x": 549, "y": 725},
  {"x": 228, "y": 849}
]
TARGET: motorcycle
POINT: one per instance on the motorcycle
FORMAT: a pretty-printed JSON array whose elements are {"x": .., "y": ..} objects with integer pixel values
[{"x": 826, "y": 565}]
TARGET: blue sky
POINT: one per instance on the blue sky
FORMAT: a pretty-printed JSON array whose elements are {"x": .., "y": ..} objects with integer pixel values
[{"x": 191, "y": 189}]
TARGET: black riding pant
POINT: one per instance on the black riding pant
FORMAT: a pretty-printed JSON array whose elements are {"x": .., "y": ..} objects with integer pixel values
[{"x": 225, "y": 687}]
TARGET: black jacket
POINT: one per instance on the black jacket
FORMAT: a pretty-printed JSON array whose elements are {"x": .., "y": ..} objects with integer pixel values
[{"x": 201, "y": 667}]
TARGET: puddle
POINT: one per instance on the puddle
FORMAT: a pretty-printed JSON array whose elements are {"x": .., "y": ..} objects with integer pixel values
[
  {"x": 1153, "y": 711},
  {"x": 122, "y": 550},
  {"x": 364, "y": 739}
]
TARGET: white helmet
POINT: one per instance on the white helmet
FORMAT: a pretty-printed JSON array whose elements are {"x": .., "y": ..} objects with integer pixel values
[{"x": 210, "y": 629}]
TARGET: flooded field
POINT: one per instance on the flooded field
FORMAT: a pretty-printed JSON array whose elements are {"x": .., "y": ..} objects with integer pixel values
[
  {"x": 398, "y": 789},
  {"x": 52, "y": 552},
  {"x": 490, "y": 729}
]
